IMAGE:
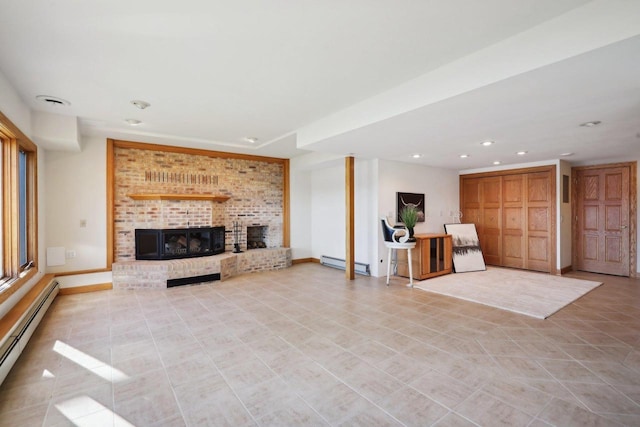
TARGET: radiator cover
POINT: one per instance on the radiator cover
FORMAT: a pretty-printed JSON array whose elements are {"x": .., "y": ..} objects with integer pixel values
[
  {"x": 12, "y": 345},
  {"x": 341, "y": 264}
]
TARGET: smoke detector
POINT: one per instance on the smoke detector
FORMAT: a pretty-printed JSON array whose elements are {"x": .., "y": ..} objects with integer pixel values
[{"x": 141, "y": 104}]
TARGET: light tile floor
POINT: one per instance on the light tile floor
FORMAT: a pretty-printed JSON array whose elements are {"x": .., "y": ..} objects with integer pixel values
[{"x": 304, "y": 346}]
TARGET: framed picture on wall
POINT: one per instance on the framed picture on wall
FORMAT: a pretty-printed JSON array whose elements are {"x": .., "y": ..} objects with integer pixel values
[{"x": 408, "y": 199}]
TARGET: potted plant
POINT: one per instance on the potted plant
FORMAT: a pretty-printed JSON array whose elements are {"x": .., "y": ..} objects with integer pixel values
[{"x": 409, "y": 216}]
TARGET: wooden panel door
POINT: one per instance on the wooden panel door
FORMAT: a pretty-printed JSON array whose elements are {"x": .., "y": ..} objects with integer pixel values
[
  {"x": 490, "y": 230},
  {"x": 514, "y": 213},
  {"x": 603, "y": 220},
  {"x": 539, "y": 221},
  {"x": 513, "y": 221},
  {"x": 470, "y": 207}
]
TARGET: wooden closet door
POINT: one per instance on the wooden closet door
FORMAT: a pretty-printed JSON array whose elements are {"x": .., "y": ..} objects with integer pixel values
[
  {"x": 470, "y": 201},
  {"x": 539, "y": 221},
  {"x": 490, "y": 234},
  {"x": 514, "y": 213},
  {"x": 513, "y": 220}
]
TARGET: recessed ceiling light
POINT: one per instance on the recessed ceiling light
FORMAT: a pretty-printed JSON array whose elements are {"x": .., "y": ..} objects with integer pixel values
[
  {"x": 566, "y": 154},
  {"x": 487, "y": 143},
  {"x": 497, "y": 162},
  {"x": 464, "y": 156},
  {"x": 133, "y": 122},
  {"x": 53, "y": 100},
  {"x": 250, "y": 139},
  {"x": 416, "y": 156},
  {"x": 141, "y": 104},
  {"x": 521, "y": 153},
  {"x": 591, "y": 124}
]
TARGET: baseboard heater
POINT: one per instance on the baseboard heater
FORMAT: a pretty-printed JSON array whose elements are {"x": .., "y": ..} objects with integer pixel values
[
  {"x": 16, "y": 340},
  {"x": 194, "y": 279},
  {"x": 341, "y": 264}
]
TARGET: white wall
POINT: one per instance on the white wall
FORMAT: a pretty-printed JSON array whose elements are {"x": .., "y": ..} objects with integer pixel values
[
  {"x": 55, "y": 131},
  {"x": 366, "y": 213},
  {"x": 318, "y": 208},
  {"x": 300, "y": 208},
  {"x": 77, "y": 191},
  {"x": 564, "y": 217},
  {"x": 328, "y": 211},
  {"x": 440, "y": 187},
  {"x": 78, "y": 280},
  {"x": 13, "y": 107},
  {"x": 321, "y": 183}
]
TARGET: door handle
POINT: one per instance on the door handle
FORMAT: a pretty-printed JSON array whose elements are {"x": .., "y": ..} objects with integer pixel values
[{"x": 623, "y": 226}]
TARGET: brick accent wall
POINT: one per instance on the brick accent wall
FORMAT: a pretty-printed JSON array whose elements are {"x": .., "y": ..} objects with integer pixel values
[{"x": 255, "y": 188}]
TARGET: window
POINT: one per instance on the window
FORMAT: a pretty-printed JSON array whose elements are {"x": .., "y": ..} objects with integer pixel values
[
  {"x": 18, "y": 235},
  {"x": 22, "y": 208}
]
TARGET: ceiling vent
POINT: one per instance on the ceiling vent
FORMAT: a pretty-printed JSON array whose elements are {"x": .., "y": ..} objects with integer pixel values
[{"x": 53, "y": 100}]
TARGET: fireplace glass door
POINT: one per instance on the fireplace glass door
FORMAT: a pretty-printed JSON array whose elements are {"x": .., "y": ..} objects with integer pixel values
[
  {"x": 200, "y": 242},
  {"x": 158, "y": 244}
]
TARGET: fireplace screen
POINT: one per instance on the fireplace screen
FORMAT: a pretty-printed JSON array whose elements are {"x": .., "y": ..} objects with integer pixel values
[
  {"x": 155, "y": 244},
  {"x": 256, "y": 236}
]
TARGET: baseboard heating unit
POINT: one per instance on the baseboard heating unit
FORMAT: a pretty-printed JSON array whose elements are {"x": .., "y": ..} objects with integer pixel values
[
  {"x": 341, "y": 264},
  {"x": 16, "y": 338}
]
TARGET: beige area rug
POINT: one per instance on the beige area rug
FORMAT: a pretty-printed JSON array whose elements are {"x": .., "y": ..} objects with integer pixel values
[{"x": 533, "y": 294}]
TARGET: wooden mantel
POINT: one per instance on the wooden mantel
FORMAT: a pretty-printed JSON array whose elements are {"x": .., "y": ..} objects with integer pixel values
[{"x": 170, "y": 196}]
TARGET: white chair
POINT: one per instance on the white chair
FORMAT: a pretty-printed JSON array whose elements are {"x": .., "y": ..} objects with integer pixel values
[{"x": 397, "y": 238}]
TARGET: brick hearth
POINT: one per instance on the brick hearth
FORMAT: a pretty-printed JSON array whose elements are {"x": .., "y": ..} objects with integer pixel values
[{"x": 154, "y": 274}]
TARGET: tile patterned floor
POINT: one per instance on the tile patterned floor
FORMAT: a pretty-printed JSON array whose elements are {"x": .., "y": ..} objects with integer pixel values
[{"x": 304, "y": 346}]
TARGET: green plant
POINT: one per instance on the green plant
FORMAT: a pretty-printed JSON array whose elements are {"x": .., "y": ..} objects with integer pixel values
[{"x": 409, "y": 216}]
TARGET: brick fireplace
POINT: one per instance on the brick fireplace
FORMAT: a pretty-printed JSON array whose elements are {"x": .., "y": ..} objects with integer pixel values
[
  {"x": 253, "y": 193},
  {"x": 160, "y": 187}
]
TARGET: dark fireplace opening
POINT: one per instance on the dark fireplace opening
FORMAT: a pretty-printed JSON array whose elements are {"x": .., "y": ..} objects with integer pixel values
[
  {"x": 175, "y": 243},
  {"x": 256, "y": 236}
]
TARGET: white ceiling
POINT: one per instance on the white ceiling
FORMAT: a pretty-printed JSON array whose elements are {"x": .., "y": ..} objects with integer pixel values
[{"x": 380, "y": 79}]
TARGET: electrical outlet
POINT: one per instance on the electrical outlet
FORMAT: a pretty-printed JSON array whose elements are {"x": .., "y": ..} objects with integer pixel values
[{"x": 71, "y": 254}]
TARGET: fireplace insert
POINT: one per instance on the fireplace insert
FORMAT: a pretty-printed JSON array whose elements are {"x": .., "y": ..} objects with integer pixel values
[
  {"x": 257, "y": 236},
  {"x": 175, "y": 243}
]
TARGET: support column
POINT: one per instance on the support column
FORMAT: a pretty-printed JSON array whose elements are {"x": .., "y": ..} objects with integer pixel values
[{"x": 349, "y": 220}]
